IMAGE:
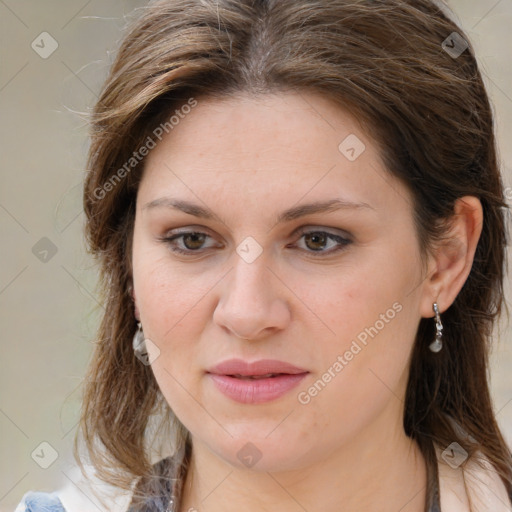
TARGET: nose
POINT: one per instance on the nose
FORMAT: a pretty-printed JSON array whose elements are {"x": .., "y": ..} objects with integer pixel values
[{"x": 252, "y": 303}]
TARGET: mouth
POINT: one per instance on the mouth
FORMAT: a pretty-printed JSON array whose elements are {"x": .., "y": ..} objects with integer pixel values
[
  {"x": 257, "y": 377},
  {"x": 256, "y": 382},
  {"x": 264, "y": 368}
]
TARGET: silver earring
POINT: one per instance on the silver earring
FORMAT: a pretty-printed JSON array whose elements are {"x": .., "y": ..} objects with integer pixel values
[
  {"x": 139, "y": 342},
  {"x": 437, "y": 344}
]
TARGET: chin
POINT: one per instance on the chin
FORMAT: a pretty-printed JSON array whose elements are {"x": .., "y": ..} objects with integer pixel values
[{"x": 254, "y": 449}]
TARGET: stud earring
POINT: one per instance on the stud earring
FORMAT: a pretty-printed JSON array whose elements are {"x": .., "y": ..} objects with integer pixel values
[
  {"x": 139, "y": 343},
  {"x": 437, "y": 344}
]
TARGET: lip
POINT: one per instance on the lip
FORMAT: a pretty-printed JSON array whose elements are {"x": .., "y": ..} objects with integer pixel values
[
  {"x": 261, "y": 367},
  {"x": 232, "y": 378}
]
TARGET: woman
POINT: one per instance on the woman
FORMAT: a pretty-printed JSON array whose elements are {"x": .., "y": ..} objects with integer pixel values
[{"x": 299, "y": 219}]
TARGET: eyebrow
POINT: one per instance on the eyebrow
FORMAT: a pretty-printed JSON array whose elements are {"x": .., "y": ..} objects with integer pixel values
[{"x": 290, "y": 214}]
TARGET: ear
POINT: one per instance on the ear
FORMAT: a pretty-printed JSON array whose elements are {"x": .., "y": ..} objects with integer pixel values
[{"x": 451, "y": 262}]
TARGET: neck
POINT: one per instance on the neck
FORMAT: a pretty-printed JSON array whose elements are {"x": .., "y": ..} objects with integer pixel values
[{"x": 381, "y": 470}]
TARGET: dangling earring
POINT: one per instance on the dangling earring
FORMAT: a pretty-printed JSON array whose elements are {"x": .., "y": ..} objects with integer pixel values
[
  {"x": 139, "y": 343},
  {"x": 437, "y": 344}
]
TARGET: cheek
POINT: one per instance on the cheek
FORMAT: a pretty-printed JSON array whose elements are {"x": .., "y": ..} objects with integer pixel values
[
  {"x": 372, "y": 318},
  {"x": 357, "y": 380},
  {"x": 358, "y": 298},
  {"x": 173, "y": 319},
  {"x": 168, "y": 300}
]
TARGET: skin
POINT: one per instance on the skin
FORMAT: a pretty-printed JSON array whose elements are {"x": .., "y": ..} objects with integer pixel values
[{"x": 247, "y": 159}]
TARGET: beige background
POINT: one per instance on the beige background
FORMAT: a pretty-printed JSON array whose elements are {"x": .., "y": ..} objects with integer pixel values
[{"x": 48, "y": 309}]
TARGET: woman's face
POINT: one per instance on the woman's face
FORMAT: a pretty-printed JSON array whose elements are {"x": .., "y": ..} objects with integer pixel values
[{"x": 299, "y": 249}]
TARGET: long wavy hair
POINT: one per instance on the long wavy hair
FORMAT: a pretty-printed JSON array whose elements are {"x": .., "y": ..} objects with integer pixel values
[{"x": 389, "y": 63}]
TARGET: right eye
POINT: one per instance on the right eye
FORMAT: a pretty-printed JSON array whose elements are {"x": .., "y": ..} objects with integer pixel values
[{"x": 186, "y": 242}]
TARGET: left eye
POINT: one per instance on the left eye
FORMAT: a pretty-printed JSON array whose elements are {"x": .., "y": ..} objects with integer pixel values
[{"x": 317, "y": 241}]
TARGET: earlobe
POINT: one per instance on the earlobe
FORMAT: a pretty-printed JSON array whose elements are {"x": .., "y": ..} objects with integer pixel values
[{"x": 454, "y": 256}]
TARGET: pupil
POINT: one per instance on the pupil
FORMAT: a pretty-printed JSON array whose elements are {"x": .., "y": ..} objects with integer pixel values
[
  {"x": 317, "y": 239},
  {"x": 195, "y": 237}
]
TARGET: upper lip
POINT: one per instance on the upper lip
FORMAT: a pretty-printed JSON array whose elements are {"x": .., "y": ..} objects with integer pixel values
[{"x": 261, "y": 367}]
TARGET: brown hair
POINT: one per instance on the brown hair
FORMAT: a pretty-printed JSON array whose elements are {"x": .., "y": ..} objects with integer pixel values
[{"x": 428, "y": 111}]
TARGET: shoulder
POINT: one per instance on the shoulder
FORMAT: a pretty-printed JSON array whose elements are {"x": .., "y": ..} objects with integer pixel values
[
  {"x": 80, "y": 493},
  {"x": 40, "y": 502},
  {"x": 474, "y": 483}
]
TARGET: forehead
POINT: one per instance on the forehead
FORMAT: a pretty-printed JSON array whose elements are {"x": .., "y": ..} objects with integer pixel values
[
  {"x": 288, "y": 123},
  {"x": 273, "y": 147}
]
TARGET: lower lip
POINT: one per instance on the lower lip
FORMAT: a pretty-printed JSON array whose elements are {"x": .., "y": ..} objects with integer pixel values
[{"x": 256, "y": 391}]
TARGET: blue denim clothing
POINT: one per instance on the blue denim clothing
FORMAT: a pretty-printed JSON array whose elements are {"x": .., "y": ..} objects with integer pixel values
[{"x": 40, "y": 502}]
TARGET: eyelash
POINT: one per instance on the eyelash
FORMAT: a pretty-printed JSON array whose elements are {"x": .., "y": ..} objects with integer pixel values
[{"x": 343, "y": 242}]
